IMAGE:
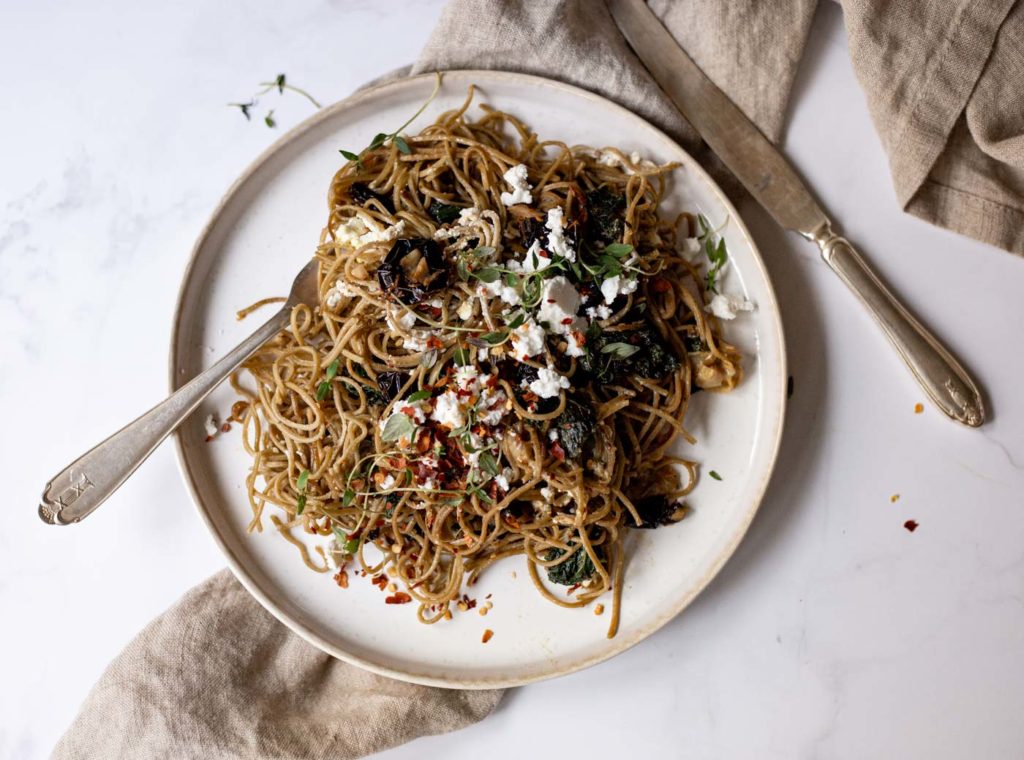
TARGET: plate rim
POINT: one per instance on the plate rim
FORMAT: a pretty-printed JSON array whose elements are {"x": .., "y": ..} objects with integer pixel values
[{"x": 237, "y": 567}]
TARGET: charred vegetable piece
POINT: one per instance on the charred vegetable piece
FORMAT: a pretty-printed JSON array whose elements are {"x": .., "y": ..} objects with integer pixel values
[
  {"x": 575, "y": 425},
  {"x": 605, "y": 211},
  {"x": 655, "y": 511},
  {"x": 654, "y": 360},
  {"x": 361, "y": 194},
  {"x": 443, "y": 213},
  {"x": 576, "y": 569},
  {"x": 413, "y": 269},
  {"x": 390, "y": 383}
]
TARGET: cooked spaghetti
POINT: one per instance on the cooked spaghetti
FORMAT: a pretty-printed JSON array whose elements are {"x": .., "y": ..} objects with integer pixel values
[{"x": 506, "y": 344}]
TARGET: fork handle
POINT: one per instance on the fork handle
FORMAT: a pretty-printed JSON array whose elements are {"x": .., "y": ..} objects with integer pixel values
[
  {"x": 77, "y": 490},
  {"x": 941, "y": 376}
]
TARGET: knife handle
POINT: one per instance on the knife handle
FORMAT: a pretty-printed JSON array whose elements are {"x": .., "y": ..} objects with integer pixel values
[{"x": 941, "y": 376}]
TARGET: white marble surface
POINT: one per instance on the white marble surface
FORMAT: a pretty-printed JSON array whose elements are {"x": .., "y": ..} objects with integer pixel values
[{"x": 833, "y": 632}]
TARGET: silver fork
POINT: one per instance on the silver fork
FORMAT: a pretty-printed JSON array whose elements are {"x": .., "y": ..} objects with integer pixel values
[{"x": 76, "y": 491}]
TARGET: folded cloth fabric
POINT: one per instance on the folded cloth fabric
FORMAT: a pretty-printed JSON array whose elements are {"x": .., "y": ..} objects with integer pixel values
[
  {"x": 217, "y": 677},
  {"x": 944, "y": 82}
]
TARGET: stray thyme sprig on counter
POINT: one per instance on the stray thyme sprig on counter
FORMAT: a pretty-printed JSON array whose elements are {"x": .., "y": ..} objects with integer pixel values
[
  {"x": 280, "y": 84},
  {"x": 395, "y": 137}
]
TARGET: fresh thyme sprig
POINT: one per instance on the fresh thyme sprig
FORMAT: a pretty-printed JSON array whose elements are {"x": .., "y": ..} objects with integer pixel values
[
  {"x": 280, "y": 83},
  {"x": 395, "y": 137},
  {"x": 715, "y": 251}
]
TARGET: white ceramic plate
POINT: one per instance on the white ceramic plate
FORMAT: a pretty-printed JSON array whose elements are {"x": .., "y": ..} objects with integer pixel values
[{"x": 261, "y": 234}]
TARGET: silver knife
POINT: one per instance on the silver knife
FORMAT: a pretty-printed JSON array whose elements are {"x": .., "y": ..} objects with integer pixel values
[{"x": 775, "y": 185}]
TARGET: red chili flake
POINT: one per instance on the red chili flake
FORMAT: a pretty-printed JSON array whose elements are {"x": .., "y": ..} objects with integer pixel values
[
  {"x": 567, "y": 321},
  {"x": 492, "y": 381},
  {"x": 434, "y": 342},
  {"x": 572, "y": 589},
  {"x": 530, "y": 396},
  {"x": 661, "y": 285},
  {"x": 435, "y": 312},
  {"x": 910, "y": 525},
  {"x": 399, "y": 597},
  {"x": 557, "y": 451},
  {"x": 209, "y": 438},
  {"x": 470, "y": 603},
  {"x": 341, "y": 578},
  {"x": 552, "y": 300},
  {"x": 408, "y": 411},
  {"x": 226, "y": 427},
  {"x": 380, "y": 580},
  {"x": 488, "y": 596},
  {"x": 488, "y": 634},
  {"x": 544, "y": 254}
]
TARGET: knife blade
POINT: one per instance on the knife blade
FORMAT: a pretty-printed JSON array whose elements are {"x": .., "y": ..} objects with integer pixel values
[{"x": 775, "y": 185}]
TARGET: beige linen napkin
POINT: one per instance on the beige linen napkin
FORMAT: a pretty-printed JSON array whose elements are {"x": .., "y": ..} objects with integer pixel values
[
  {"x": 217, "y": 677},
  {"x": 944, "y": 82}
]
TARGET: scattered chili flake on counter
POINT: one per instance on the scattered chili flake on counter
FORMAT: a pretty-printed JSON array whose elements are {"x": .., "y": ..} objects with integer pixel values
[
  {"x": 341, "y": 578},
  {"x": 894, "y": 498},
  {"x": 487, "y": 635},
  {"x": 918, "y": 408},
  {"x": 400, "y": 598},
  {"x": 910, "y": 525}
]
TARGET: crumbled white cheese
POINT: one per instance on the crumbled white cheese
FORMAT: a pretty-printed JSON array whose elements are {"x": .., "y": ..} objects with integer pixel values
[
  {"x": 553, "y": 434},
  {"x": 467, "y": 377},
  {"x": 727, "y": 306},
  {"x": 516, "y": 177},
  {"x": 417, "y": 341},
  {"x": 599, "y": 312},
  {"x": 503, "y": 478},
  {"x": 533, "y": 260},
  {"x": 345, "y": 289},
  {"x": 559, "y": 303},
  {"x": 498, "y": 288},
  {"x": 691, "y": 249},
  {"x": 615, "y": 286},
  {"x": 349, "y": 232},
  {"x": 333, "y": 299},
  {"x": 492, "y": 404},
  {"x": 419, "y": 415},
  {"x": 354, "y": 233},
  {"x": 406, "y": 321},
  {"x": 469, "y": 215},
  {"x": 574, "y": 347},
  {"x": 547, "y": 492},
  {"x": 482, "y": 354},
  {"x": 557, "y": 243},
  {"x": 527, "y": 339},
  {"x": 548, "y": 383},
  {"x": 608, "y": 158},
  {"x": 429, "y": 484},
  {"x": 210, "y": 426},
  {"x": 387, "y": 484},
  {"x": 448, "y": 411},
  {"x": 466, "y": 309}
]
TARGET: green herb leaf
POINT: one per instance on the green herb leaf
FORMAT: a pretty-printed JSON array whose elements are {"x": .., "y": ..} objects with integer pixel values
[
  {"x": 462, "y": 268},
  {"x": 401, "y": 144},
  {"x": 715, "y": 475},
  {"x": 279, "y": 81},
  {"x": 418, "y": 396},
  {"x": 378, "y": 140},
  {"x": 397, "y": 427},
  {"x": 512, "y": 279},
  {"x": 349, "y": 155},
  {"x": 620, "y": 350},
  {"x": 269, "y": 119},
  {"x": 332, "y": 369},
  {"x": 351, "y": 546},
  {"x": 303, "y": 480},
  {"x": 461, "y": 356},
  {"x": 494, "y": 338},
  {"x": 300, "y": 505},
  {"x": 483, "y": 250},
  {"x": 323, "y": 390},
  {"x": 618, "y": 249},
  {"x": 487, "y": 274},
  {"x": 517, "y": 321},
  {"x": 244, "y": 108},
  {"x": 348, "y": 497},
  {"x": 489, "y": 464}
]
